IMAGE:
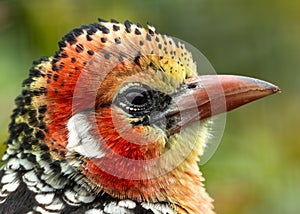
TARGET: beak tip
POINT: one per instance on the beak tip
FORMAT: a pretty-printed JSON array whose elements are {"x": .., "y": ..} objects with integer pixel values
[
  {"x": 269, "y": 86},
  {"x": 276, "y": 89},
  {"x": 261, "y": 85}
]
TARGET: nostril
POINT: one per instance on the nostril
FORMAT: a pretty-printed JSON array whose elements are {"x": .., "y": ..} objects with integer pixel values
[{"x": 192, "y": 85}]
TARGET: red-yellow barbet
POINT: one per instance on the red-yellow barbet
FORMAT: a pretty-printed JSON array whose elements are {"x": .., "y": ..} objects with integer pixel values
[{"x": 115, "y": 122}]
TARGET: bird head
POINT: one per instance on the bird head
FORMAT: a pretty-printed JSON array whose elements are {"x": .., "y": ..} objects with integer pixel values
[{"x": 127, "y": 112}]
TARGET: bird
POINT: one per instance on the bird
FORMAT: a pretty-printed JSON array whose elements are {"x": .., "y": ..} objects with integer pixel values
[{"x": 116, "y": 121}]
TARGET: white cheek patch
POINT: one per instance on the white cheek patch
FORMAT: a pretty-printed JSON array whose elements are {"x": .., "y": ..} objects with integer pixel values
[{"x": 80, "y": 139}]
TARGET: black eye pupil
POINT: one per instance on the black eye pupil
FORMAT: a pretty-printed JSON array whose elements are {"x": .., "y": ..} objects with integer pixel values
[{"x": 136, "y": 98}]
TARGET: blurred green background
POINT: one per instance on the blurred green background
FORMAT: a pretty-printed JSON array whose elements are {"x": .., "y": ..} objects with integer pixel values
[{"x": 256, "y": 168}]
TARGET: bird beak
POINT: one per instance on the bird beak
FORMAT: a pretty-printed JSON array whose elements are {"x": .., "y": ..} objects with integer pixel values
[{"x": 205, "y": 96}]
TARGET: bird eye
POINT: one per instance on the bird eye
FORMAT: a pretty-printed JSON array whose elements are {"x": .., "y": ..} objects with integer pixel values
[
  {"x": 136, "y": 98},
  {"x": 139, "y": 99}
]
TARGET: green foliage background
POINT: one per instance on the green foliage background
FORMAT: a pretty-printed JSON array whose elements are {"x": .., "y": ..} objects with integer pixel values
[{"x": 256, "y": 167}]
